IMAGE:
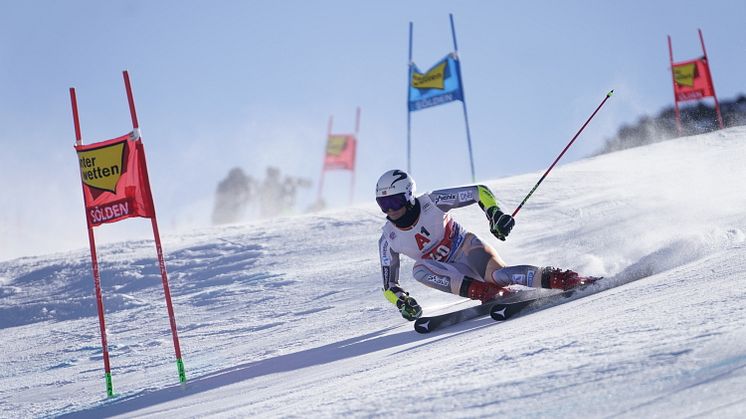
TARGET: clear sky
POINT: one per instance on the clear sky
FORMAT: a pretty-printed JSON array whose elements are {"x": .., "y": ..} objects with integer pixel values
[{"x": 220, "y": 84}]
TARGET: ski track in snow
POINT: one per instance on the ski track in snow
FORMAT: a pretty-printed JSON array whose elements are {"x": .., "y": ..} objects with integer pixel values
[{"x": 286, "y": 317}]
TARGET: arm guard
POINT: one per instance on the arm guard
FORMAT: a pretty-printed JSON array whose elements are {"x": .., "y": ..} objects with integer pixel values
[
  {"x": 486, "y": 198},
  {"x": 447, "y": 199}
]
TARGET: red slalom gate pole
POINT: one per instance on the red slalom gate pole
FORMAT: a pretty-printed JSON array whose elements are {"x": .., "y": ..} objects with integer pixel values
[
  {"x": 76, "y": 121},
  {"x": 608, "y": 95},
  {"x": 709, "y": 80},
  {"x": 354, "y": 155},
  {"x": 675, "y": 97},
  {"x": 157, "y": 238},
  {"x": 323, "y": 164},
  {"x": 94, "y": 264}
]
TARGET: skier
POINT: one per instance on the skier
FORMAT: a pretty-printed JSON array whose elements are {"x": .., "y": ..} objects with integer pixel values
[{"x": 447, "y": 256}]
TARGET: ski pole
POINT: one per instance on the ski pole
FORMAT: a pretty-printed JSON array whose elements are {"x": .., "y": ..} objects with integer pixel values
[{"x": 608, "y": 95}]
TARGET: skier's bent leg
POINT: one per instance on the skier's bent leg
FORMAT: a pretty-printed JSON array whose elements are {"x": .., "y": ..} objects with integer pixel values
[
  {"x": 441, "y": 276},
  {"x": 480, "y": 257},
  {"x": 534, "y": 276},
  {"x": 526, "y": 275},
  {"x": 453, "y": 278}
]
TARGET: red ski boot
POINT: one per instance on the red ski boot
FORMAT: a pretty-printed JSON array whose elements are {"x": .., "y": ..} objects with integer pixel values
[
  {"x": 483, "y": 291},
  {"x": 555, "y": 278}
]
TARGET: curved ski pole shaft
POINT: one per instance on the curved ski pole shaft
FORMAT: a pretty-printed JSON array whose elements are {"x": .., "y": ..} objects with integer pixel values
[{"x": 608, "y": 95}]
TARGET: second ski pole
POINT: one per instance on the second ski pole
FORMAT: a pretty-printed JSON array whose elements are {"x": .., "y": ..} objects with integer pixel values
[{"x": 608, "y": 95}]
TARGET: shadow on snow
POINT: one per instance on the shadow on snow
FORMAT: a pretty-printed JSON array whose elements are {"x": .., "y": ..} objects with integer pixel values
[{"x": 349, "y": 348}]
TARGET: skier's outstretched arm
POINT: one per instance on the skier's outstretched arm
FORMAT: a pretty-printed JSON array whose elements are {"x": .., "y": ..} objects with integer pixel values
[
  {"x": 407, "y": 305},
  {"x": 447, "y": 199}
]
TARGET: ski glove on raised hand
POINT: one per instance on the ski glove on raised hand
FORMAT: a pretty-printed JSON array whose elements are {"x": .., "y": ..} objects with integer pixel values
[
  {"x": 409, "y": 308},
  {"x": 500, "y": 223}
]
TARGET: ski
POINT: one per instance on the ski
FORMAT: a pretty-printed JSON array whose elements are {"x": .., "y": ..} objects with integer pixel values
[
  {"x": 502, "y": 311},
  {"x": 429, "y": 323}
]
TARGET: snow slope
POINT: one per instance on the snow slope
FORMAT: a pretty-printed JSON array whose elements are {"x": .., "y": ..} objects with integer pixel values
[{"x": 286, "y": 318}]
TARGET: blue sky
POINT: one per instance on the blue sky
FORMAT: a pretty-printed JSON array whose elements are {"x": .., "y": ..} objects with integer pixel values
[{"x": 250, "y": 84}]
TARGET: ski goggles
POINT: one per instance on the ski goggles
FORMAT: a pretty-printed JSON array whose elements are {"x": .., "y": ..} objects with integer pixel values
[{"x": 391, "y": 202}]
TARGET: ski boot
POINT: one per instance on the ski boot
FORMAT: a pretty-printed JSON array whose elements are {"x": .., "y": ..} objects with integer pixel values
[
  {"x": 482, "y": 291},
  {"x": 556, "y": 279}
]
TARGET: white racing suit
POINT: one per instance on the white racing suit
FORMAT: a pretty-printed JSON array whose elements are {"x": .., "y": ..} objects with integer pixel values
[{"x": 444, "y": 252}]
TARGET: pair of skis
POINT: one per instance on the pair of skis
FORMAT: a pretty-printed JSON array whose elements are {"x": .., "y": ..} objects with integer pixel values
[{"x": 500, "y": 309}]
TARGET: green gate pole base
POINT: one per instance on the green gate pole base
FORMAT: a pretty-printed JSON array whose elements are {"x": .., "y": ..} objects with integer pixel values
[
  {"x": 109, "y": 386},
  {"x": 182, "y": 373}
]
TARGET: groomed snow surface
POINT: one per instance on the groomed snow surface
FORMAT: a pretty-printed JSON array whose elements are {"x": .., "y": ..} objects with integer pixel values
[{"x": 285, "y": 318}]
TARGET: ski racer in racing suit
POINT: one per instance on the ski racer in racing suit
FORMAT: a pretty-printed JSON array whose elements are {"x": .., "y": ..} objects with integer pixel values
[{"x": 447, "y": 256}]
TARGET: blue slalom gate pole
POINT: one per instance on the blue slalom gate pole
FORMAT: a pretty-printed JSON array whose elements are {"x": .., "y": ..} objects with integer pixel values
[
  {"x": 409, "y": 98},
  {"x": 463, "y": 98}
]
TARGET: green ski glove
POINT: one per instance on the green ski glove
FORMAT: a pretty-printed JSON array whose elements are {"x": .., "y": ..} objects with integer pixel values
[{"x": 409, "y": 308}]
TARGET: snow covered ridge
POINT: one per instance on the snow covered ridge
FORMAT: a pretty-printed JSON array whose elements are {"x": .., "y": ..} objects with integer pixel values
[{"x": 287, "y": 318}]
